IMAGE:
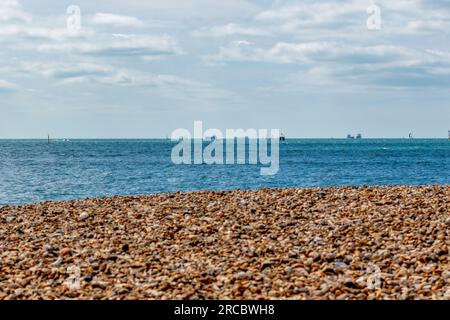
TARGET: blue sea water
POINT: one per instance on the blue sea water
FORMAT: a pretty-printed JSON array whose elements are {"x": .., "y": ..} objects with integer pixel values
[{"x": 33, "y": 170}]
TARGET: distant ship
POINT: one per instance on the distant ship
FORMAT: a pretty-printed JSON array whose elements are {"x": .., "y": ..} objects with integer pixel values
[
  {"x": 349, "y": 136},
  {"x": 282, "y": 137},
  {"x": 410, "y": 135},
  {"x": 359, "y": 136}
]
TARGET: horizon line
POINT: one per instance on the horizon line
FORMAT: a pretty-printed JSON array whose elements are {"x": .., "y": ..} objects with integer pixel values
[{"x": 167, "y": 138}]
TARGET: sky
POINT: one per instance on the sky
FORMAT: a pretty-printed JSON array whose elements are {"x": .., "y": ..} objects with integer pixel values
[{"x": 141, "y": 69}]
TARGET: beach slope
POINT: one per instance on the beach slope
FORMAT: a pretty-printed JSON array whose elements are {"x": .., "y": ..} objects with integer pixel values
[{"x": 333, "y": 243}]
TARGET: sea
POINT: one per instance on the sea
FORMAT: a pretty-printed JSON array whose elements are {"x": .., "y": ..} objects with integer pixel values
[{"x": 35, "y": 170}]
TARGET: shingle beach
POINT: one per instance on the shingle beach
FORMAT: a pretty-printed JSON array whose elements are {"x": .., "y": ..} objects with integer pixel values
[{"x": 333, "y": 243}]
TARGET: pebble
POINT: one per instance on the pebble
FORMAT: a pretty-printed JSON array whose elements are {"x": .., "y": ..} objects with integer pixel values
[
  {"x": 9, "y": 219},
  {"x": 340, "y": 264},
  {"x": 332, "y": 243},
  {"x": 58, "y": 262},
  {"x": 65, "y": 252},
  {"x": 243, "y": 275},
  {"x": 84, "y": 215}
]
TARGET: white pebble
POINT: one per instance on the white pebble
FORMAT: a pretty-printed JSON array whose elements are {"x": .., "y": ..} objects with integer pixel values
[{"x": 84, "y": 215}]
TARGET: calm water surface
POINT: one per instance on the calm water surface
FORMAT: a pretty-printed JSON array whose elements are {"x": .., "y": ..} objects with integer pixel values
[{"x": 32, "y": 170}]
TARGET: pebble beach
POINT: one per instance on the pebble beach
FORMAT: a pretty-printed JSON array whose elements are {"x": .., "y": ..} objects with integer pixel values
[{"x": 332, "y": 243}]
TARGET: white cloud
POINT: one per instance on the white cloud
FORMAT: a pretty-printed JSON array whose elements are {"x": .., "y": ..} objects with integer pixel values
[
  {"x": 28, "y": 32},
  {"x": 50, "y": 35},
  {"x": 7, "y": 86},
  {"x": 328, "y": 62},
  {"x": 307, "y": 52},
  {"x": 116, "y": 20},
  {"x": 426, "y": 26},
  {"x": 69, "y": 74},
  {"x": 333, "y": 18},
  {"x": 12, "y": 10},
  {"x": 239, "y": 50},
  {"x": 117, "y": 46},
  {"x": 231, "y": 29}
]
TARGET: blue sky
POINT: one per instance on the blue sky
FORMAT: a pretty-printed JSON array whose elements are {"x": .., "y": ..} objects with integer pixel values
[{"x": 145, "y": 68}]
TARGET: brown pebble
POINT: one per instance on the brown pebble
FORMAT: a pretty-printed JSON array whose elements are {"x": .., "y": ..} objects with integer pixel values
[
  {"x": 65, "y": 252},
  {"x": 333, "y": 243}
]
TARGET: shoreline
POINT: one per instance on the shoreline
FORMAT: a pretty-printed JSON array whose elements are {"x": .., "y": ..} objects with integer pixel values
[
  {"x": 163, "y": 193},
  {"x": 383, "y": 242}
]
